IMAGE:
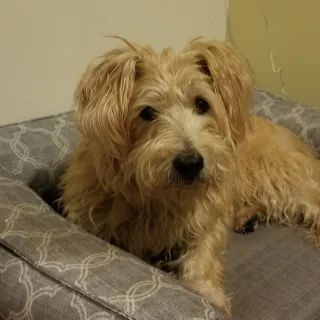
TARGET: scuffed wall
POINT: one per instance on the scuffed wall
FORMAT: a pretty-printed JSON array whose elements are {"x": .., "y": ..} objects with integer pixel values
[{"x": 293, "y": 29}]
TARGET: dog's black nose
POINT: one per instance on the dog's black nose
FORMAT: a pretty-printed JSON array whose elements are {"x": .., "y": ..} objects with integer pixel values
[{"x": 188, "y": 165}]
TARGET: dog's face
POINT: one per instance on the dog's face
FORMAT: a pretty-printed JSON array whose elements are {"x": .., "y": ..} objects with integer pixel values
[{"x": 169, "y": 119}]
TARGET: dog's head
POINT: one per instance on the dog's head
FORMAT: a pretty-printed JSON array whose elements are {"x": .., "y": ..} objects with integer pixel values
[{"x": 166, "y": 119}]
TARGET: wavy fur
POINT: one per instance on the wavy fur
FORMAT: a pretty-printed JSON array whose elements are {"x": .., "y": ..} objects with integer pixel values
[{"x": 119, "y": 185}]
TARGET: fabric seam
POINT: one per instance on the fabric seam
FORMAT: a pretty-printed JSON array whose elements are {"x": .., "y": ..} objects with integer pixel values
[{"x": 64, "y": 283}]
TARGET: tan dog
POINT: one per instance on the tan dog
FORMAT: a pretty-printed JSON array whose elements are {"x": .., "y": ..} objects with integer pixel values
[{"x": 169, "y": 149}]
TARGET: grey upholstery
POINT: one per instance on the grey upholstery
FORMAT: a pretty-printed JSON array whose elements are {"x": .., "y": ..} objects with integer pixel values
[{"x": 51, "y": 269}]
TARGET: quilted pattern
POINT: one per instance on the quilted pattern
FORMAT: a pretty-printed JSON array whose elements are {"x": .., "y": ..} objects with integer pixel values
[
  {"x": 53, "y": 264},
  {"x": 41, "y": 298},
  {"x": 303, "y": 120},
  {"x": 51, "y": 269},
  {"x": 35, "y": 151},
  {"x": 50, "y": 260}
]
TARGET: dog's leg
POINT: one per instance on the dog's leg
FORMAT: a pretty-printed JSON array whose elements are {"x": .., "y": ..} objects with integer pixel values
[
  {"x": 298, "y": 207},
  {"x": 298, "y": 199},
  {"x": 303, "y": 210},
  {"x": 202, "y": 268},
  {"x": 309, "y": 215},
  {"x": 314, "y": 231},
  {"x": 306, "y": 202}
]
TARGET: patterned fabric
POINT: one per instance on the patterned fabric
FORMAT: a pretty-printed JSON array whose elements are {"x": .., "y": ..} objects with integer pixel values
[
  {"x": 54, "y": 265},
  {"x": 36, "y": 151},
  {"x": 27, "y": 293},
  {"x": 58, "y": 269},
  {"x": 304, "y": 121},
  {"x": 51, "y": 269}
]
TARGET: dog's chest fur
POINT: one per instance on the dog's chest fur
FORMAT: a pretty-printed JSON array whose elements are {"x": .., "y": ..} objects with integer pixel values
[{"x": 155, "y": 229}]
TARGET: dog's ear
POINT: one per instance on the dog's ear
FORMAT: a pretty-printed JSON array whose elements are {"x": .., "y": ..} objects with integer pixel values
[
  {"x": 102, "y": 99},
  {"x": 230, "y": 78}
]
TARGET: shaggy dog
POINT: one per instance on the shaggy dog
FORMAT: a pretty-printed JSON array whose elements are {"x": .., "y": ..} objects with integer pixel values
[{"x": 170, "y": 157}]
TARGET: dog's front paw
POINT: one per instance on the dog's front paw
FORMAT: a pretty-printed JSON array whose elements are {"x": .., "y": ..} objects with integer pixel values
[
  {"x": 219, "y": 298},
  {"x": 247, "y": 219},
  {"x": 246, "y": 226},
  {"x": 313, "y": 236},
  {"x": 73, "y": 217},
  {"x": 214, "y": 295}
]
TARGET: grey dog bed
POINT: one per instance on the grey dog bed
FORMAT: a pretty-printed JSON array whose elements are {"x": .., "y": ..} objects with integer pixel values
[{"x": 51, "y": 269}]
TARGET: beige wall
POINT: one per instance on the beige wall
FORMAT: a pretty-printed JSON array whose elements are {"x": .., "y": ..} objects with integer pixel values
[
  {"x": 294, "y": 29},
  {"x": 45, "y": 45}
]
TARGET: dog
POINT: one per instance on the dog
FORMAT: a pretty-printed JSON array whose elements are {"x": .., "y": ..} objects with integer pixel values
[{"x": 171, "y": 159}]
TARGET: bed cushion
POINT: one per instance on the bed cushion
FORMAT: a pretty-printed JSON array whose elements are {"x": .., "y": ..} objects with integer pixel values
[
  {"x": 52, "y": 269},
  {"x": 303, "y": 120}
]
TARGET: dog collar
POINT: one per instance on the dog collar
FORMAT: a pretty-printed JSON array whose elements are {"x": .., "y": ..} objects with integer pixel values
[{"x": 165, "y": 256}]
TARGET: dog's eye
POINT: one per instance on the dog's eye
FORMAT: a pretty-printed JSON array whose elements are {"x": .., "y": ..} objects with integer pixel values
[
  {"x": 202, "y": 106},
  {"x": 148, "y": 113}
]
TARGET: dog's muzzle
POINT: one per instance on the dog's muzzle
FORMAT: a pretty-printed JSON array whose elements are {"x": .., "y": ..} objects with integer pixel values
[{"x": 187, "y": 166}]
